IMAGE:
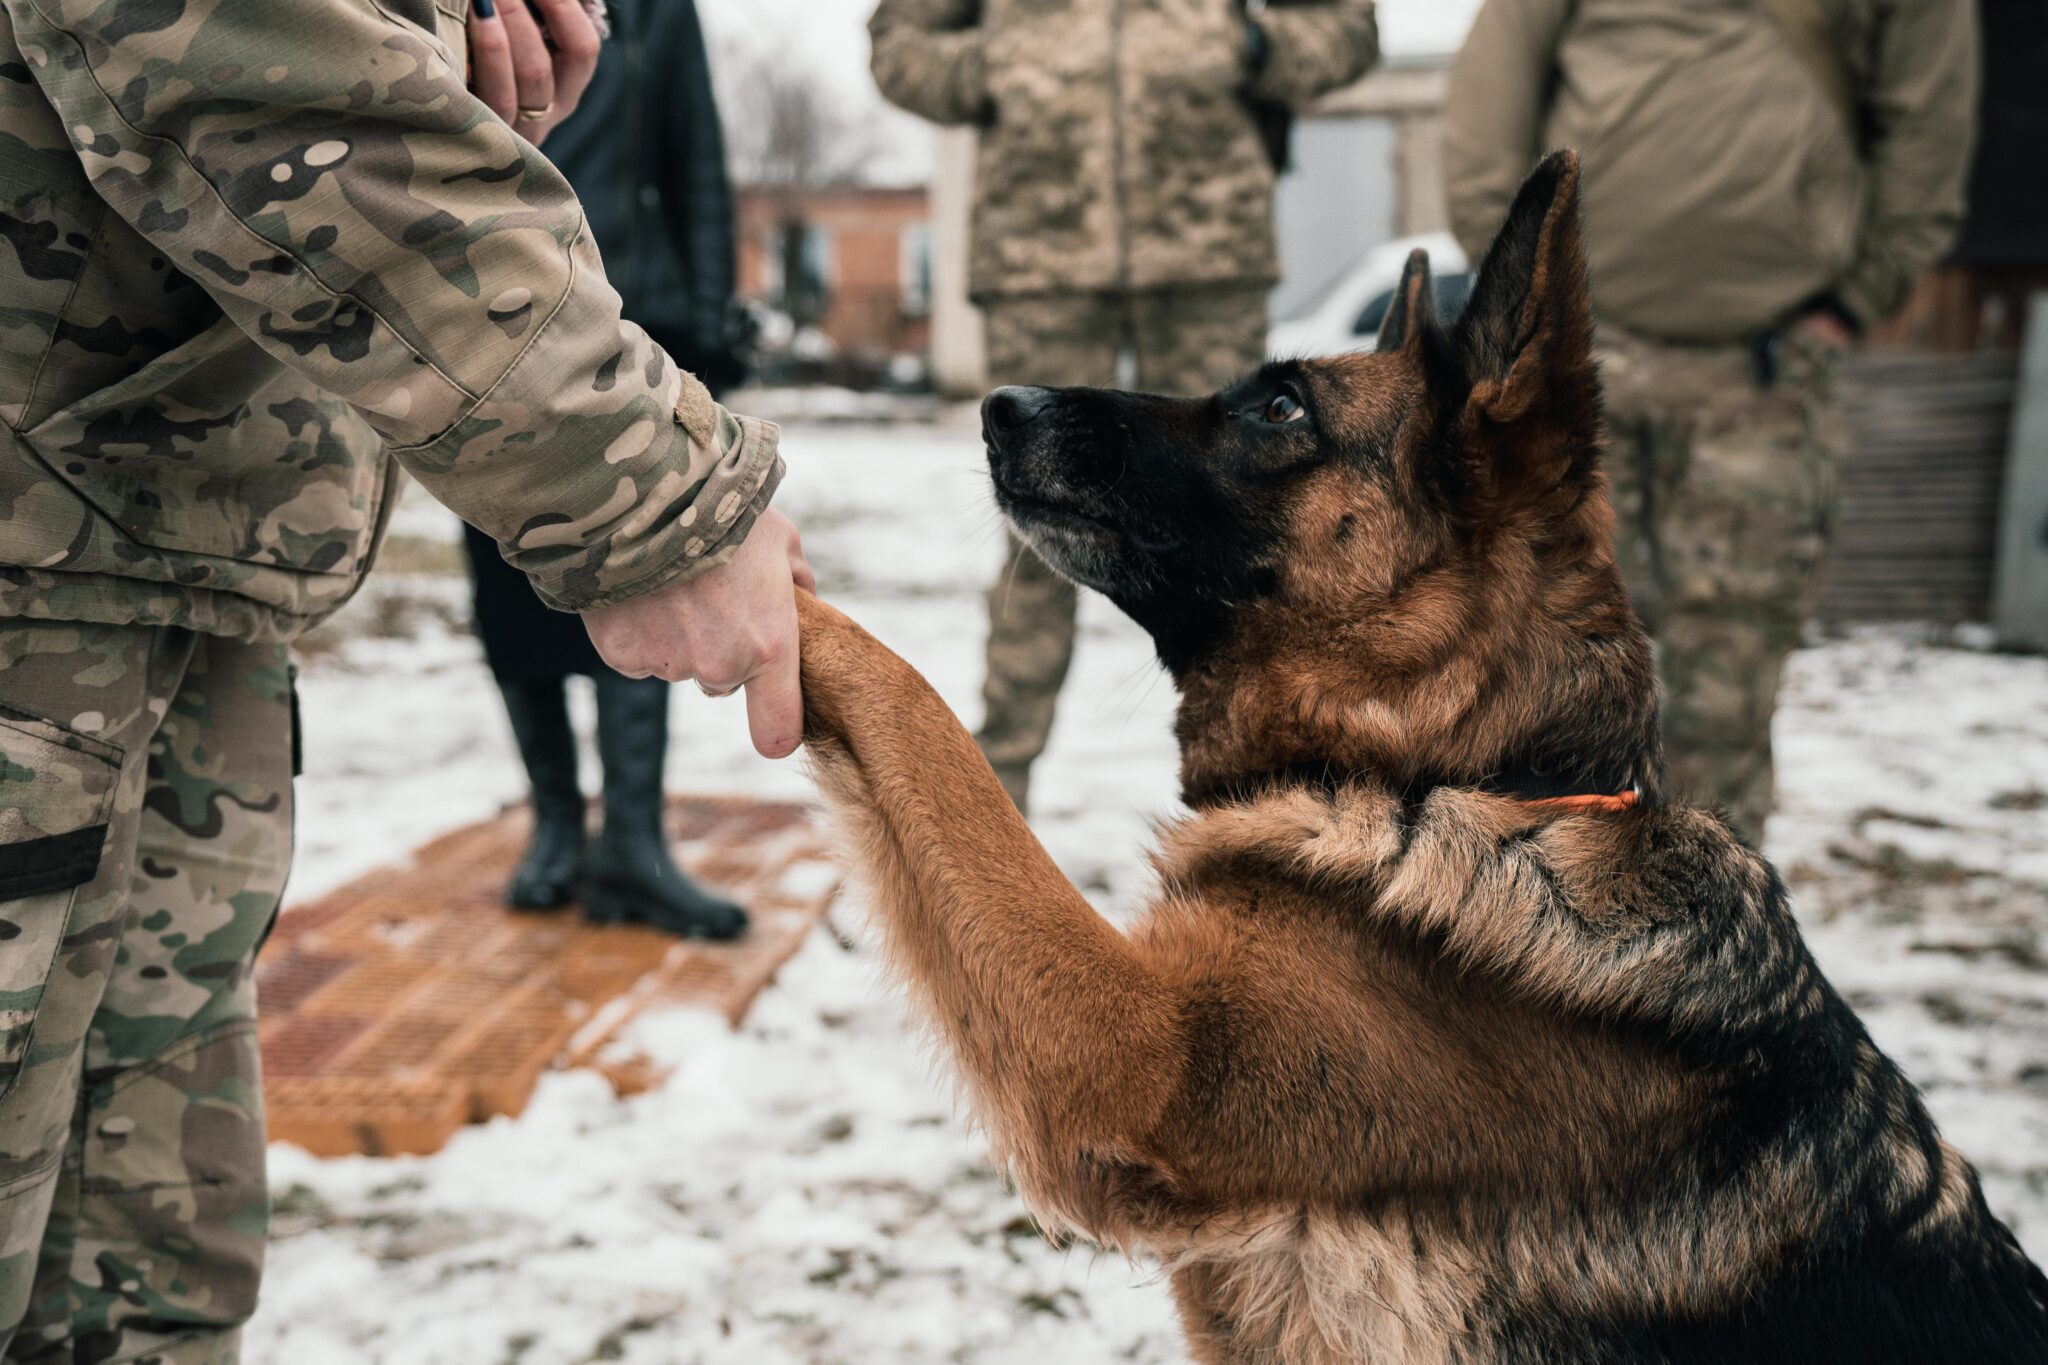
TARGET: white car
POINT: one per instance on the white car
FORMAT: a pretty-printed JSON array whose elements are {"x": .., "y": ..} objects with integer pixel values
[{"x": 1349, "y": 319}]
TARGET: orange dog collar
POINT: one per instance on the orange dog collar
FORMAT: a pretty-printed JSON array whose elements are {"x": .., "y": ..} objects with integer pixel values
[{"x": 1618, "y": 801}]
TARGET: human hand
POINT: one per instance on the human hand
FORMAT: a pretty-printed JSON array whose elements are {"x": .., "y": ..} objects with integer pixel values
[
  {"x": 732, "y": 627},
  {"x": 530, "y": 77},
  {"x": 1824, "y": 329}
]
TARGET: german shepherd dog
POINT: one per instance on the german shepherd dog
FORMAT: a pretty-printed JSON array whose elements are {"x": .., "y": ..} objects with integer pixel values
[{"x": 1448, "y": 1038}]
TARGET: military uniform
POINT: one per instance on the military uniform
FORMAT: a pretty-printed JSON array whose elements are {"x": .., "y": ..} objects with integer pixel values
[
  {"x": 1123, "y": 203},
  {"x": 1738, "y": 174},
  {"x": 254, "y": 261},
  {"x": 1724, "y": 494},
  {"x": 151, "y": 766}
]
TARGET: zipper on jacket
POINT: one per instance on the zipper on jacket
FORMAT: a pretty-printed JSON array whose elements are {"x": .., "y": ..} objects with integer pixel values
[{"x": 1120, "y": 197}]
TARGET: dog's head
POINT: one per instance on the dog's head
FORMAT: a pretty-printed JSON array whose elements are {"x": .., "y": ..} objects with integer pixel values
[{"x": 1397, "y": 563}]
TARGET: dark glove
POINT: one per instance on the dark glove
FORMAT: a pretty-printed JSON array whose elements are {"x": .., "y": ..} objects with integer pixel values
[{"x": 1258, "y": 50}]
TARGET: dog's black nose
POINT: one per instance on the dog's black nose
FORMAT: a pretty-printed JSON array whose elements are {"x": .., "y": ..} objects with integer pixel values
[{"x": 1014, "y": 406}]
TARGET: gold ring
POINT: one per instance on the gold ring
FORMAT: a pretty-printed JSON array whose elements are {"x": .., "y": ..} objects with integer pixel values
[{"x": 536, "y": 115}]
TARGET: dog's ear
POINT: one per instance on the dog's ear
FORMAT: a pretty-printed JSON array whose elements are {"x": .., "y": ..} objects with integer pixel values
[
  {"x": 1525, "y": 341},
  {"x": 1413, "y": 311}
]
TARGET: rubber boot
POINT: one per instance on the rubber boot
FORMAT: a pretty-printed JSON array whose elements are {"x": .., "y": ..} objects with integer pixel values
[
  {"x": 549, "y": 874},
  {"x": 633, "y": 878}
]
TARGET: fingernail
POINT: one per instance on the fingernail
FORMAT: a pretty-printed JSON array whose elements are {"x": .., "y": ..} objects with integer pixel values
[{"x": 487, "y": 9}]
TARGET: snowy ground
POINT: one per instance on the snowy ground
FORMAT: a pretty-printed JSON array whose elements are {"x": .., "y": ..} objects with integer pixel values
[{"x": 801, "y": 1190}]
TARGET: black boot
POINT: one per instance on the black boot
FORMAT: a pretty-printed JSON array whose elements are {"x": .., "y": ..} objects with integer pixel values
[
  {"x": 632, "y": 876},
  {"x": 553, "y": 864}
]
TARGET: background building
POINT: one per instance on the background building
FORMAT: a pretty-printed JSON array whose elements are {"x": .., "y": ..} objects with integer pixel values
[{"x": 841, "y": 277}]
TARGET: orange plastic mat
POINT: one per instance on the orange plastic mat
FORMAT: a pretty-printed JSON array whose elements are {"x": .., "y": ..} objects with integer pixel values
[{"x": 411, "y": 1001}]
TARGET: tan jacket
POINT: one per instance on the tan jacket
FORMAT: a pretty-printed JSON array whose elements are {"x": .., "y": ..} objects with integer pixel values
[
  {"x": 1118, "y": 148},
  {"x": 258, "y": 255},
  {"x": 1723, "y": 188}
]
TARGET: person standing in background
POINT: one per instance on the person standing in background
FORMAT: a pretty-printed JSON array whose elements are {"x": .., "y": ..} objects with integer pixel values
[
  {"x": 259, "y": 259},
  {"x": 1764, "y": 179},
  {"x": 645, "y": 153},
  {"x": 1123, "y": 205}
]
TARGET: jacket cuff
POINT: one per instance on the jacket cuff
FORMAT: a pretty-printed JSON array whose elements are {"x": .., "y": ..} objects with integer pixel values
[
  {"x": 731, "y": 480},
  {"x": 1274, "y": 80},
  {"x": 1856, "y": 303},
  {"x": 1307, "y": 55}
]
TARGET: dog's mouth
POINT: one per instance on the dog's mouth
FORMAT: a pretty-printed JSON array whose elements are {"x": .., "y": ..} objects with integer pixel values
[
  {"x": 1053, "y": 513},
  {"x": 1076, "y": 535},
  {"x": 1028, "y": 501}
]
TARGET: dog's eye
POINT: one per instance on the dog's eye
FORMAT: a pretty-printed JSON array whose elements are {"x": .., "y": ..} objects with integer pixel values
[{"x": 1285, "y": 408}]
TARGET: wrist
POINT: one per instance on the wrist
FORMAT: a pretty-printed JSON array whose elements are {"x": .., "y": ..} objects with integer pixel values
[{"x": 1830, "y": 305}]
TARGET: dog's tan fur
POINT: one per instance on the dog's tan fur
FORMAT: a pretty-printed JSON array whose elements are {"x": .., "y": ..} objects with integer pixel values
[{"x": 1385, "y": 1079}]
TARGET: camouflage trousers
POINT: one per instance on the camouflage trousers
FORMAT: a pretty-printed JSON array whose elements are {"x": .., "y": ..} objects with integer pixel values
[
  {"x": 1724, "y": 495},
  {"x": 145, "y": 830},
  {"x": 1190, "y": 341}
]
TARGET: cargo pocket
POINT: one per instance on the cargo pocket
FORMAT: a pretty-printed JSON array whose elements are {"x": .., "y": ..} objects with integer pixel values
[{"x": 56, "y": 798}]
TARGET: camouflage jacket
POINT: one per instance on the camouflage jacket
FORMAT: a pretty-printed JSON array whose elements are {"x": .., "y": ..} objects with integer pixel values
[
  {"x": 1118, "y": 150},
  {"x": 260, "y": 255}
]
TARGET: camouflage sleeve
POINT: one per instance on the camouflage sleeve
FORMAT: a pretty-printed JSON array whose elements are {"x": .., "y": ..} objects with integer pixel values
[
  {"x": 1313, "y": 48},
  {"x": 1920, "y": 111},
  {"x": 1495, "y": 107},
  {"x": 321, "y": 169},
  {"x": 927, "y": 58}
]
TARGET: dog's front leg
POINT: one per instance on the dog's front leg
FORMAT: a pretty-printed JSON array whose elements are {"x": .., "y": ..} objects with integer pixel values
[{"x": 1069, "y": 1046}]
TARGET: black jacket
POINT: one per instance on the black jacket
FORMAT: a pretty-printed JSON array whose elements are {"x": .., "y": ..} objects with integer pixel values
[
  {"x": 646, "y": 154},
  {"x": 2007, "y": 225}
]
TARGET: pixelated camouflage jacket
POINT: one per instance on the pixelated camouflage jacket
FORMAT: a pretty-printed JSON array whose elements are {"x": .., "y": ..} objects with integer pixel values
[
  {"x": 255, "y": 258},
  {"x": 1118, "y": 146}
]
